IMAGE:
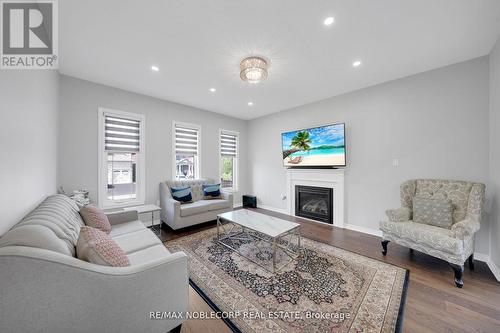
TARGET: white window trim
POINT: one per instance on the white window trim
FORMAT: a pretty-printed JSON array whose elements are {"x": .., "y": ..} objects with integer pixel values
[
  {"x": 237, "y": 168},
  {"x": 192, "y": 126},
  {"x": 102, "y": 167}
]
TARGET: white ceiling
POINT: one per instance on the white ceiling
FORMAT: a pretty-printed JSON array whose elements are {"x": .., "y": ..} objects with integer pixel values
[{"x": 199, "y": 44}]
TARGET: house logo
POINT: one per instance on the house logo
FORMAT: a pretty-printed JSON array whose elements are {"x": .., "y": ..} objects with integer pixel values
[{"x": 29, "y": 34}]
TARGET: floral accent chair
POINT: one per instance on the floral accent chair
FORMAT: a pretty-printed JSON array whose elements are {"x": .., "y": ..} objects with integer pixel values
[{"x": 453, "y": 243}]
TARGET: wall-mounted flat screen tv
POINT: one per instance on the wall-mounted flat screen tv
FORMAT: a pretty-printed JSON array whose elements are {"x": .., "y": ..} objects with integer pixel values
[{"x": 316, "y": 147}]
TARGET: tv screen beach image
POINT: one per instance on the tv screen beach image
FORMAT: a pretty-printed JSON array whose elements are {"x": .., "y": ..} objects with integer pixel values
[{"x": 320, "y": 146}]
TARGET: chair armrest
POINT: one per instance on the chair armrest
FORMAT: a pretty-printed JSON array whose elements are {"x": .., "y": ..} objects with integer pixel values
[
  {"x": 122, "y": 217},
  {"x": 398, "y": 214},
  {"x": 465, "y": 228},
  {"x": 228, "y": 196}
]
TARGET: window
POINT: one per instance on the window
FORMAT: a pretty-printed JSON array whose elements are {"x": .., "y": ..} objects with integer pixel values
[
  {"x": 121, "y": 158},
  {"x": 186, "y": 151},
  {"x": 228, "y": 143}
]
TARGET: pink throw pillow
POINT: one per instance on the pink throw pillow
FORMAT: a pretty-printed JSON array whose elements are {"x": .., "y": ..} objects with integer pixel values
[
  {"x": 97, "y": 247},
  {"x": 94, "y": 217}
]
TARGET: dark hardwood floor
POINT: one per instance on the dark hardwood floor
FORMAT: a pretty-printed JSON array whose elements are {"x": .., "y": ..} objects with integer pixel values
[{"x": 433, "y": 303}]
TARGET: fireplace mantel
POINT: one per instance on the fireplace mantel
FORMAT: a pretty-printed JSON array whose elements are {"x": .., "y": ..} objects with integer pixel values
[{"x": 331, "y": 178}]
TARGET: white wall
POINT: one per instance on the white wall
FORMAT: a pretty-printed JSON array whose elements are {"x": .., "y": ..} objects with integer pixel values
[
  {"x": 495, "y": 154},
  {"x": 435, "y": 123},
  {"x": 79, "y": 101},
  {"x": 28, "y": 132}
]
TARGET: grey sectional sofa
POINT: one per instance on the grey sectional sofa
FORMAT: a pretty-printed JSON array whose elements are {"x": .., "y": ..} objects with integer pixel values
[
  {"x": 177, "y": 215},
  {"x": 44, "y": 287}
]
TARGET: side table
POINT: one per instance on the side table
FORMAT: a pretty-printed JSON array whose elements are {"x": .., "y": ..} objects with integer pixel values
[{"x": 145, "y": 209}]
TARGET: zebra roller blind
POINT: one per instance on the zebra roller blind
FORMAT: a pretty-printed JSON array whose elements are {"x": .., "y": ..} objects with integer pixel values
[
  {"x": 228, "y": 144},
  {"x": 121, "y": 134},
  {"x": 186, "y": 140}
]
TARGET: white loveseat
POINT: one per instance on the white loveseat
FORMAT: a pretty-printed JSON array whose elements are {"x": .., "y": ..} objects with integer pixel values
[
  {"x": 44, "y": 287},
  {"x": 178, "y": 215}
]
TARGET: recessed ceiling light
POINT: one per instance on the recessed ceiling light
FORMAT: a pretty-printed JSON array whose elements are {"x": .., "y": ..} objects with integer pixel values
[
  {"x": 329, "y": 21},
  {"x": 213, "y": 90},
  {"x": 357, "y": 63},
  {"x": 155, "y": 68},
  {"x": 250, "y": 103}
]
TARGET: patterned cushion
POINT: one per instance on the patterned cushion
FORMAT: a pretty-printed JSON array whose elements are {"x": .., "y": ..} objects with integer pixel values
[
  {"x": 211, "y": 191},
  {"x": 94, "y": 217},
  {"x": 182, "y": 194},
  {"x": 399, "y": 214},
  {"x": 454, "y": 190},
  {"x": 437, "y": 212},
  {"x": 96, "y": 247}
]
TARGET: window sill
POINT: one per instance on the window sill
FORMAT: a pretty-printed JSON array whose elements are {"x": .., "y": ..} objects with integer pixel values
[
  {"x": 111, "y": 206},
  {"x": 229, "y": 189}
]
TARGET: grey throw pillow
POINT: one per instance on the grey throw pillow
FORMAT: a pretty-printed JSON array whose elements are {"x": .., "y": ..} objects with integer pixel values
[{"x": 437, "y": 212}]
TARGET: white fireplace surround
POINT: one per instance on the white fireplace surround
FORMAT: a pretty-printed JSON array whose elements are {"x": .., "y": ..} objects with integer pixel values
[{"x": 329, "y": 178}]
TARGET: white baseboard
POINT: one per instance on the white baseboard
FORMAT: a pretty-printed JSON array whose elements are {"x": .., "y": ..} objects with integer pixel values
[
  {"x": 481, "y": 257},
  {"x": 274, "y": 209},
  {"x": 365, "y": 230},
  {"x": 494, "y": 269},
  {"x": 237, "y": 205},
  {"x": 491, "y": 265}
]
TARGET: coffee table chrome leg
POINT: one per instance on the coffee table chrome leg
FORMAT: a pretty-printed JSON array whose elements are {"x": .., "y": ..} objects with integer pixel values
[
  {"x": 274, "y": 255},
  {"x": 298, "y": 235},
  {"x": 218, "y": 234}
]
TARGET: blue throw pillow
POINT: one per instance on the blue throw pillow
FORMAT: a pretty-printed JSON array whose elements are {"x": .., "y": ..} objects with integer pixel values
[
  {"x": 182, "y": 194},
  {"x": 211, "y": 191}
]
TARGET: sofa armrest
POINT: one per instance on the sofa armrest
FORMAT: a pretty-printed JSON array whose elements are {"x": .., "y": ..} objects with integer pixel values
[
  {"x": 122, "y": 217},
  {"x": 228, "y": 196},
  {"x": 86, "y": 295},
  {"x": 465, "y": 228},
  {"x": 173, "y": 206},
  {"x": 398, "y": 214},
  {"x": 170, "y": 208}
]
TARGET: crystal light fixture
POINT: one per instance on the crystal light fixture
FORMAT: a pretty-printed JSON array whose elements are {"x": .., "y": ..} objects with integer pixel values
[{"x": 253, "y": 69}]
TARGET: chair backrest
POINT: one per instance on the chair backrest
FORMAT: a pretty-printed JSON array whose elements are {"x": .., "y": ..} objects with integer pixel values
[
  {"x": 467, "y": 197},
  {"x": 195, "y": 184}
]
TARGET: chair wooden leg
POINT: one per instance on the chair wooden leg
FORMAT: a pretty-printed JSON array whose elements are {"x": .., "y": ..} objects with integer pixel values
[
  {"x": 471, "y": 262},
  {"x": 458, "y": 270},
  {"x": 384, "y": 247},
  {"x": 176, "y": 329}
]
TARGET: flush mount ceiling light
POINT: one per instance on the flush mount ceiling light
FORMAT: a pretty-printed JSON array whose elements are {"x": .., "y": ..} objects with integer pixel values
[
  {"x": 155, "y": 68},
  {"x": 213, "y": 90},
  {"x": 328, "y": 21},
  {"x": 253, "y": 69},
  {"x": 250, "y": 103},
  {"x": 357, "y": 63}
]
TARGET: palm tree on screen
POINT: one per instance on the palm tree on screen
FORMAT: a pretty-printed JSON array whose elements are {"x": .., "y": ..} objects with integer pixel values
[{"x": 302, "y": 141}]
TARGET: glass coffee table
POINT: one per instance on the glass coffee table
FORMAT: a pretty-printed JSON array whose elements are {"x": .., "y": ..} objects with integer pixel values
[{"x": 251, "y": 227}]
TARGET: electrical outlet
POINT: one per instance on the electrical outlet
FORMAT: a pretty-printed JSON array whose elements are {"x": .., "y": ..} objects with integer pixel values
[
  {"x": 395, "y": 162},
  {"x": 283, "y": 196}
]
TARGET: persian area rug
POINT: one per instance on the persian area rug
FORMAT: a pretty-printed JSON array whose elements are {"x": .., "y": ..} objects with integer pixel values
[{"x": 326, "y": 289}]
